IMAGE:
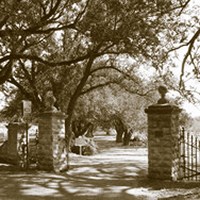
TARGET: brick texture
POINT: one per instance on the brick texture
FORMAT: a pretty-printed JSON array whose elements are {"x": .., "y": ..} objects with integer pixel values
[
  {"x": 51, "y": 149},
  {"x": 163, "y": 141}
]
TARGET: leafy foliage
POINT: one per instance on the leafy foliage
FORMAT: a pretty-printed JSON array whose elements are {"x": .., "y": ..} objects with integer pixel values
[{"x": 73, "y": 47}]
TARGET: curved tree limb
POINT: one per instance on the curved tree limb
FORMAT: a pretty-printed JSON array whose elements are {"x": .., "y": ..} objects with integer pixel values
[
  {"x": 46, "y": 62},
  {"x": 98, "y": 86},
  {"x": 184, "y": 6},
  {"x": 6, "y": 72},
  {"x": 116, "y": 69},
  {"x": 21, "y": 88},
  {"x": 190, "y": 46}
]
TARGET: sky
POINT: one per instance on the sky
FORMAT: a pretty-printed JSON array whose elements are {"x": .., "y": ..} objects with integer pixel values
[{"x": 193, "y": 110}]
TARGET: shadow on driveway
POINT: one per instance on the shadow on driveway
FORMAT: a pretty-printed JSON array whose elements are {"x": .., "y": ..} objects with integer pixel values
[
  {"x": 115, "y": 173},
  {"x": 92, "y": 181}
]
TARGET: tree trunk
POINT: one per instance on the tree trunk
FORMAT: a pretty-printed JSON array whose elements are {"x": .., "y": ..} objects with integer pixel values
[
  {"x": 119, "y": 127},
  {"x": 119, "y": 136},
  {"x": 127, "y": 137},
  {"x": 73, "y": 100}
]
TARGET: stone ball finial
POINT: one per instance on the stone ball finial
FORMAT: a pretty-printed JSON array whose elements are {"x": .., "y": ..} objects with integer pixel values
[{"x": 162, "y": 90}]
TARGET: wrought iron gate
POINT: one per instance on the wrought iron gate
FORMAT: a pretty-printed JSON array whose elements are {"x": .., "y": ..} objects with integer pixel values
[
  {"x": 27, "y": 149},
  {"x": 189, "y": 156}
]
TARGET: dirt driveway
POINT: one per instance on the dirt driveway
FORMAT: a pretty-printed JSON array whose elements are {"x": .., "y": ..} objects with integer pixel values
[{"x": 116, "y": 172}]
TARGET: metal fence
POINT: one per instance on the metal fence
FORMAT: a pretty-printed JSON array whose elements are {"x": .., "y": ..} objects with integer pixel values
[
  {"x": 189, "y": 156},
  {"x": 28, "y": 149}
]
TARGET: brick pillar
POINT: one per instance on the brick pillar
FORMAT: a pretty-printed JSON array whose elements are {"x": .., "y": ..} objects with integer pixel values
[
  {"x": 15, "y": 131},
  {"x": 163, "y": 141},
  {"x": 51, "y": 147}
]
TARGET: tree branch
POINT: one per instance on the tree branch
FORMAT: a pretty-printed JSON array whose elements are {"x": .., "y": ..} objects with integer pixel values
[
  {"x": 51, "y": 12},
  {"x": 184, "y": 6},
  {"x": 37, "y": 28},
  {"x": 97, "y": 86},
  {"x": 27, "y": 75},
  {"x": 6, "y": 72},
  {"x": 31, "y": 83},
  {"x": 21, "y": 88},
  {"x": 81, "y": 13},
  {"x": 38, "y": 59},
  {"x": 3, "y": 21},
  {"x": 116, "y": 69},
  {"x": 34, "y": 30},
  {"x": 191, "y": 44},
  {"x": 137, "y": 92}
]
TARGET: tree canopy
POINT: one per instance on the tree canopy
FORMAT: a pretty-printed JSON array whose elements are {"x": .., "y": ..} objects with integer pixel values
[
  {"x": 95, "y": 28},
  {"x": 73, "y": 47}
]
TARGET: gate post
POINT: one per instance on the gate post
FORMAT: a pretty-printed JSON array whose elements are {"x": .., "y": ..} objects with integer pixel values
[
  {"x": 163, "y": 139},
  {"x": 51, "y": 147}
]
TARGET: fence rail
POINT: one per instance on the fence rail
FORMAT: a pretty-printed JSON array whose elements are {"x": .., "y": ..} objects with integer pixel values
[{"x": 189, "y": 156}]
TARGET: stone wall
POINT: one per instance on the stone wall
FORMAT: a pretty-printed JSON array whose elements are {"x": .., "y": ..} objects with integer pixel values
[{"x": 163, "y": 141}]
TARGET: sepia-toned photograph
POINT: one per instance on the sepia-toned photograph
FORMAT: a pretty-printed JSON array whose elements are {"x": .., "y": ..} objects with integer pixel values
[{"x": 99, "y": 100}]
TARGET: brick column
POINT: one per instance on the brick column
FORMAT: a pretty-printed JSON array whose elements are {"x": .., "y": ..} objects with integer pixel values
[
  {"x": 51, "y": 147},
  {"x": 163, "y": 141}
]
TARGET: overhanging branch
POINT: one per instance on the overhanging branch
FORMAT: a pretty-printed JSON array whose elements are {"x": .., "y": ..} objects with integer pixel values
[
  {"x": 97, "y": 86},
  {"x": 116, "y": 69},
  {"x": 39, "y": 59},
  {"x": 21, "y": 88},
  {"x": 183, "y": 6},
  {"x": 190, "y": 46}
]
